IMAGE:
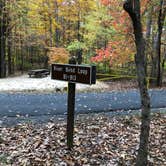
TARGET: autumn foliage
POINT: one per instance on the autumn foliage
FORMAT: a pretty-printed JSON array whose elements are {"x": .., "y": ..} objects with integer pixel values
[
  {"x": 57, "y": 55},
  {"x": 101, "y": 27},
  {"x": 120, "y": 48},
  {"x": 113, "y": 54}
]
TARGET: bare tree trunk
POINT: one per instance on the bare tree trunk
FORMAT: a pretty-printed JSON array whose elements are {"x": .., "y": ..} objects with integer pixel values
[{"x": 132, "y": 7}]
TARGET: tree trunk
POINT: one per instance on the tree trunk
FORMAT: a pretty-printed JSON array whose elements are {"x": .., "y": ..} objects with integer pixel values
[
  {"x": 2, "y": 39},
  {"x": 9, "y": 51},
  {"x": 57, "y": 33},
  {"x": 153, "y": 73},
  {"x": 8, "y": 40},
  {"x": 51, "y": 32},
  {"x": 149, "y": 24},
  {"x": 21, "y": 54},
  {"x": 50, "y": 26},
  {"x": 163, "y": 64},
  {"x": 161, "y": 18},
  {"x": 9, "y": 56},
  {"x": 132, "y": 7},
  {"x": 156, "y": 45},
  {"x": 148, "y": 35}
]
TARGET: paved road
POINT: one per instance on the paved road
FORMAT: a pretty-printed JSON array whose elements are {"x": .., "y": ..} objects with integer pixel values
[{"x": 12, "y": 105}]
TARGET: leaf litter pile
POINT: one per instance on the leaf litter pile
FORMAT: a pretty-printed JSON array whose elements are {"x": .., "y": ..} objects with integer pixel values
[{"x": 99, "y": 139}]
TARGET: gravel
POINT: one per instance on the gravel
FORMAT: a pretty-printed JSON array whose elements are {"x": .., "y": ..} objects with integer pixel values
[{"x": 24, "y": 83}]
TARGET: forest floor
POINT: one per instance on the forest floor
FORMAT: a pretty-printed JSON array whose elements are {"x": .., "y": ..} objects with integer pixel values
[{"x": 99, "y": 139}]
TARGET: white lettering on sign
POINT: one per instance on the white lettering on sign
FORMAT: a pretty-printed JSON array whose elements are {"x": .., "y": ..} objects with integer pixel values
[
  {"x": 69, "y": 77},
  {"x": 58, "y": 68},
  {"x": 65, "y": 76},
  {"x": 74, "y": 73},
  {"x": 72, "y": 77},
  {"x": 70, "y": 70},
  {"x": 82, "y": 71}
]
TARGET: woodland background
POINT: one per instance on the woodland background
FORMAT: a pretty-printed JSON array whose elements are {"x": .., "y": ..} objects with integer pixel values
[{"x": 34, "y": 34}]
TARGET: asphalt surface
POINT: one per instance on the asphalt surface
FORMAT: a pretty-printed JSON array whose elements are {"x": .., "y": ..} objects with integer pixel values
[{"x": 14, "y": 105}]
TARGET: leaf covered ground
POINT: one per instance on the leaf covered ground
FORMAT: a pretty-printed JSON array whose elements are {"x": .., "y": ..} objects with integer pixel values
[{"x": 99, "y": 139}]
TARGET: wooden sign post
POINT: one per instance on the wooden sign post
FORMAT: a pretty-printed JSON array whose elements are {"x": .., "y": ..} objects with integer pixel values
[
  {"x": 70, "y": 110},
  {"x": 73, "y": 74}
]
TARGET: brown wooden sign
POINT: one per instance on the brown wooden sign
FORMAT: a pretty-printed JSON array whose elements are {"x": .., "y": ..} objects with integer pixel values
[{"x": 74, "y": 73}]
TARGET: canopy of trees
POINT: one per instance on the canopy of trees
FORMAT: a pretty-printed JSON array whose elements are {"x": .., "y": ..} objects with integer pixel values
[{"x": 96, "y": 31}]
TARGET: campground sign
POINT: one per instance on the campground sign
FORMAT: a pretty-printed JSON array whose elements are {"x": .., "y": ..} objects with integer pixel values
[{"x": 74, "y": 73}]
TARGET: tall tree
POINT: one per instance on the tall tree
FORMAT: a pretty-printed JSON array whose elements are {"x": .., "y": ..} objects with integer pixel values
[
  {"x": 2, "y": 38},
  {"x": 10, "y": 23},
  {"x": 132, "y": 7},
  {"x": 157, "y": 11},
  {"x": 160, "y": 23}
]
